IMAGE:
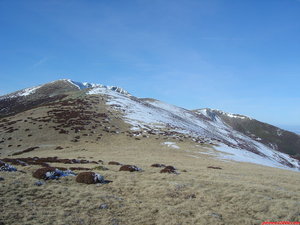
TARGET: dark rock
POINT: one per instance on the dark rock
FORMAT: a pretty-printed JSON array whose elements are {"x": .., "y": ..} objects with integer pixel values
[
  {"x": 130, "y": 168},
  {"x": 103, "y": 206},
  {"x": 1, "y": 179},
  {"x": 106, "y": 181},
  {"x": 6, "y": 167},
  {"x": 217, "y": 216},
  {"x": 39, "y": 183}
]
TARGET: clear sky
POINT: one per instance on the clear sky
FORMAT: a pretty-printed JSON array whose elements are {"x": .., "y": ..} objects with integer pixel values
[{"x": 241, "y": 56}]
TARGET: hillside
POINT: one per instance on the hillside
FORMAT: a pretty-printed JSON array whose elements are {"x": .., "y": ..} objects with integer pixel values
[
  {"x": 271, "y": 136},
  {"x": 227, "y": 171},
  {"x": 75, "y": 105}
]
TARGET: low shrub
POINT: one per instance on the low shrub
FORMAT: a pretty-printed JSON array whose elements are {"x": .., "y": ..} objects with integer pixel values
[
  {"x": 169, "y": 169},
  {"x": 89, "y": 178},
  {"x": 130, "y": 168}
]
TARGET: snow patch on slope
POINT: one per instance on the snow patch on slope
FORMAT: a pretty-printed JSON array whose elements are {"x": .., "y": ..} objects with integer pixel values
[
  {"x": 100, "y": 89},
  {"x": 82, "y": 85},
  {"x": 273, "y": 158},
  {"x": 180, "y": 112},
  {"x": 171, "y": 144},
  {"x": 28, "y": 91},
  {"x": 207, "y": 112},
  {"x": 140, "y": 114},
  {"x": 24, "y": 92}
]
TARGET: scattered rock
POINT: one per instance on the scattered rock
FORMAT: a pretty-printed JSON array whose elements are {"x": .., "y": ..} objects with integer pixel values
[
  {"x": 217, "y": 216},
  {"x": 214, "y": 167},
  {"x": 169, "y": 169},
  {"x": 111, "y": 197},
  {"x": 158, "y": 165},
  {"x": 51, "y": 173},
  {"x": 190, "y": 196},
  {"x": 6, "y": 167},
  {"x": 103, "y": 206},
  {"x": 90, "y": 178},
  {"x": 115, "y": 163},
  {"x": 130, "y": 168},
  {"x": 39, "y": 183},
  {"x": 115, "y": 222},
  {"x": 15, "y": 162},
  {"x": 1, "y": 179}
]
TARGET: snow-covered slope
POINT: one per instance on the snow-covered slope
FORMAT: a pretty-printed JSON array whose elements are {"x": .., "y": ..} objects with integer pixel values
[
  {"x": 95, "y": 87},
  {"x": 231, "y": 144},
  {"x": 24, "y": 92},
  {"x": 209, "y": 113}
]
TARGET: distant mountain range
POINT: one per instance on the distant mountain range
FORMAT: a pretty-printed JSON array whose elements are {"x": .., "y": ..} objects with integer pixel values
[{"x": 229, "y": 136}]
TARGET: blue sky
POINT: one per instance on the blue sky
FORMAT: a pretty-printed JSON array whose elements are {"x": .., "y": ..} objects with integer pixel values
[{"x": 238, "y": 56}]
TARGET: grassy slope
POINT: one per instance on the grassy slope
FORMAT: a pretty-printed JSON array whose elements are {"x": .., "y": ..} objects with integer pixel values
[{"x": 240, "y": 193}]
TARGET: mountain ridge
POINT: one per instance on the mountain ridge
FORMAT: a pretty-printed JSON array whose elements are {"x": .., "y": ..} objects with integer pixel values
[{"x": 234, "y": 136}]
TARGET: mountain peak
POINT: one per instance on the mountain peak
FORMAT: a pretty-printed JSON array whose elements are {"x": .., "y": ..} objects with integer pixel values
[
  {"x": 86, "y": 85},
  {"x": 61, "y": 84}
]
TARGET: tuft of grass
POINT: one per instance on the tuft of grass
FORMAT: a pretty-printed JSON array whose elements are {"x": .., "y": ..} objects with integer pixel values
[{"x": 102, "y": 168}]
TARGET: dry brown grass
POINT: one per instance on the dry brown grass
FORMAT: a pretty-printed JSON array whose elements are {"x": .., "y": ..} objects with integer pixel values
[{"x": 240, "y": 193}]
